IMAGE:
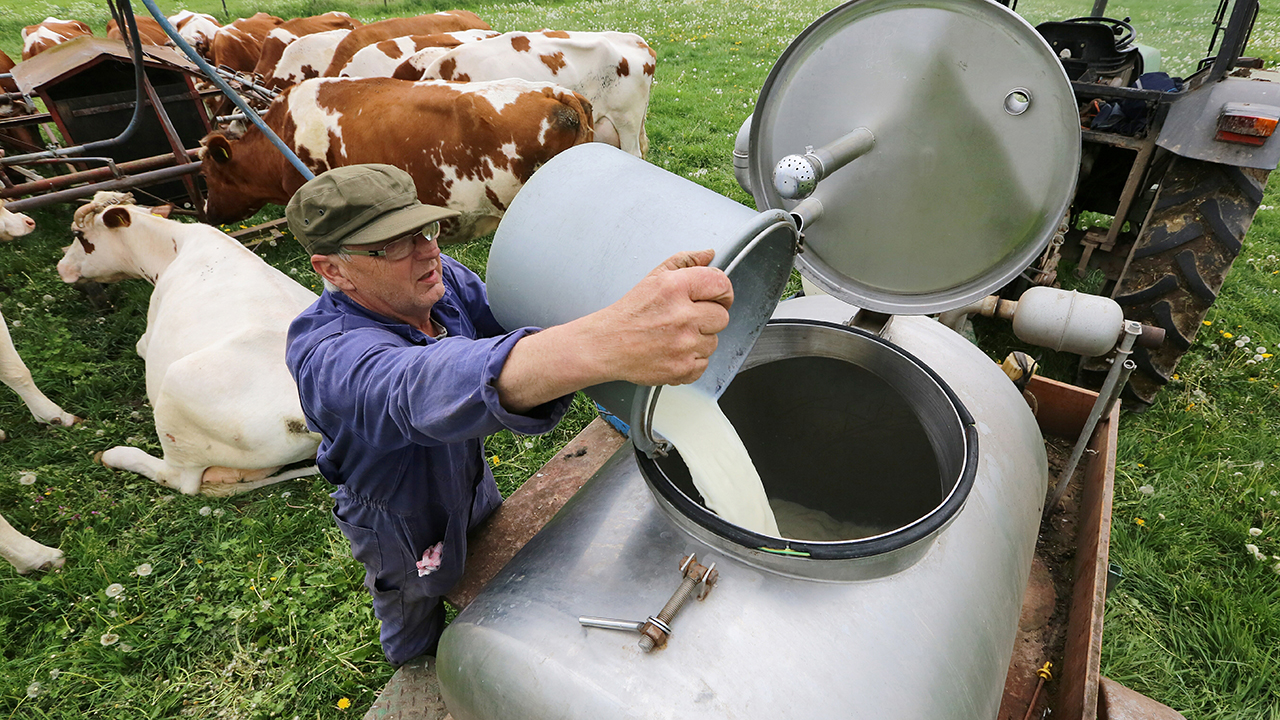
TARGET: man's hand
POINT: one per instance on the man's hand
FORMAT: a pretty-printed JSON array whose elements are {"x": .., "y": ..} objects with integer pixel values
[{"x": 660, "y": 333}]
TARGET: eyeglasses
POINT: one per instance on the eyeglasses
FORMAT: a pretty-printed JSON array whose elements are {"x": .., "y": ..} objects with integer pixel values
[{"x": 402, "y": 247}]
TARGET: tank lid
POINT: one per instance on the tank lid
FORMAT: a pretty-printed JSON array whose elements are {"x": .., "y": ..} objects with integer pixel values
[{"x": 973, "y": 162}]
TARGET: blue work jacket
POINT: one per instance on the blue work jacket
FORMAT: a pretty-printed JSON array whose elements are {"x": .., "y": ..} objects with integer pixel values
[{"x": 402, "y": 415}]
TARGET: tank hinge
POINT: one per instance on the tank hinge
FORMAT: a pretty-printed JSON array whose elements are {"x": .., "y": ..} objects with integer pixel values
[
  {"x": 876, "y": 323},
  {"x": 655, "y": 631}
]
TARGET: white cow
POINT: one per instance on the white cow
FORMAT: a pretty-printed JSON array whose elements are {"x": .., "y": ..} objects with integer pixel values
[
  {"x": 197, "y": 29},
  {"x": 304, "y": 58},
  {"x": 13, "y": 372},
  {"x": 226, "y": 409},
  {"x": 613, "y": 70},
  {"x": 21, "y": 551},
  {"x": 381, "y": 59}
]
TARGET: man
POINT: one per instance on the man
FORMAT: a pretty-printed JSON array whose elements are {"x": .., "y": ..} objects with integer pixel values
[{"x": 403, "y": 370}]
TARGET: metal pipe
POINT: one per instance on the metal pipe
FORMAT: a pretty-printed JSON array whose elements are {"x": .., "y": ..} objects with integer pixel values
[
  {"x": 94, "y": 175},
  {"x": 139, "y": 71},
  {"x": 1121, "y": 368},
  {"x": 610, "y": 623},
  {"x": 125, "y": 183},
  {"x": 176, "y": 145},
  {"x": 1099, "y": 8},
  {"x": 226, "y": 89},
  {"x": 1237, "y": 32}
]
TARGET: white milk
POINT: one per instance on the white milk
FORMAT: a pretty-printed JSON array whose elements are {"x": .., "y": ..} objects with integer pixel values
[
  {"x": 721, "y": 468},
  {"x": 798, "y": 522}
]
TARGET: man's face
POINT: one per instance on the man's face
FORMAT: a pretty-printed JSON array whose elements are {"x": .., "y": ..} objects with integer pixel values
[{"x": 400, "y": 285}]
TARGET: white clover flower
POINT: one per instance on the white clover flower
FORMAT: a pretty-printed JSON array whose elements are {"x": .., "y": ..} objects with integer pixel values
[
  {"x": 1237, "y": 474},
  {"x": 205, "y": 510},
  {"x": 1271, "y": 257},
  {"x": 115, "y": 590},
  {"x": 285, "y": 494},
  {"x": 54, "y": 673},
  {"x": 1255, "y": 532},
  {"x": 1147, "y": 490},
  {"x": 1275, "y": 493},
  {"x": 219, "y": 512},
  {"x": 1276, "y": 567},
  {"x": 143, "y": 570},
  {"x": 33, "y": 690},
  {"x": 109, "y": 639},
  {"x": 100, "y": 433},
  {"x": 1213, "y": 346},
  {"x": 27, "y": 478},
  {"x": 1160, "y": 515},
  {"x": 1260, "y": 556},
  {"x": 135, "y": 415},
  {"x": 126, "y": 647}
]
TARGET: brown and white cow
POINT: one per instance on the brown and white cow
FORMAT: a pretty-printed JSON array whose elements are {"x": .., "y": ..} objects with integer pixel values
[
  {"x": 149, "y": 31},
  {"x": 49, "y": 32},
  {"x": 468, "y": 146},
  {"x": 304, "y": 58},
  {"x": 238, "y": 45},
  {"x": 17, "y": 139},
  {"x": 381, "y": 59},
  {"x": 433, "y": 24},
  {"x": 198, "y": 30},
  {"x": 613, "y": 70},
  {"x": 21, "y": 551},
  {"x": 290, "y": 30},
  {"x": 226, "y": 409}
]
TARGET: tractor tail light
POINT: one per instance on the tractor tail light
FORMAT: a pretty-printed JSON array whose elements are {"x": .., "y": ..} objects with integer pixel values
[{"x": 1247, "y": 123}]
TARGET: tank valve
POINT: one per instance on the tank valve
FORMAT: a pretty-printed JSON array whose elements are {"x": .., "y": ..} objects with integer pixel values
[{"x": 655, "y": 630}]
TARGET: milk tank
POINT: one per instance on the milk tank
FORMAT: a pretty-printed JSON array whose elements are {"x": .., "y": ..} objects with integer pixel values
[{"x": 909, "y": 157}]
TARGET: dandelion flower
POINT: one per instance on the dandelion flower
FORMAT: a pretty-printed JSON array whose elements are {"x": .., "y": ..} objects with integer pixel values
[
  {"x": 1276, "y": 567},
  {"x": 109, "y": 639},
  {"x": 219, "y": 512},
  {"x": 115, "y": 590},
  {"x": 1251, "y": 361},
  {"x": 1147, "y": 490},
  {"x": 33, "y": 690},
  {"x": 1213, "y": 346},
  {"x": 143, "y": 570},
  {"x": 1255, "y": 532},
  {"x": 1160, "y": 515},
  {"x": 495, "y": 460},
  {"x": 54, "y": 673},
  {"x": 1207, "y": 322},
  {"x": 1260, "y": 349},
  {"x": 205, "y": 510},
  {"x": 1227, "y": 335},
  {"x": 1257, "y": 358},
  {"x": 126, "y": 647},
  {"x": 1246, "y": 338},
  {"x": 1239, "y": 343},
  {"x": 344, "y": 703},
  {"x": 1140, "y": 522}
]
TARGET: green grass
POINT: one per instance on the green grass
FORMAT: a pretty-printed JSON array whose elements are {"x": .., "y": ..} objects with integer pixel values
[{"x": 255, "y": 609}]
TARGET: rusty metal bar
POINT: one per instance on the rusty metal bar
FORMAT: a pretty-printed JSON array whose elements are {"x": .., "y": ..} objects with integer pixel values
[
  {"x": 126, "y": 183},
  {"x": 94, "y": 175},
  {"x": 102, "y": 109},
  {"x": 175, "y": 144},
  {"x": 24, "y": 120}
]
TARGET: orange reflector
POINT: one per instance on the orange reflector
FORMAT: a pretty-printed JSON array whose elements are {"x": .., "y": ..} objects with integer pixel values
[{"x": 1247, "y": 123}]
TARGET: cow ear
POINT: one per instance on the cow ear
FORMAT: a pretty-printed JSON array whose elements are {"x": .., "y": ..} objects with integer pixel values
[
  {"x": 218, "y": 148},
  {"x": 116, "y": 217},
  {"x": 162, "y": 211}
]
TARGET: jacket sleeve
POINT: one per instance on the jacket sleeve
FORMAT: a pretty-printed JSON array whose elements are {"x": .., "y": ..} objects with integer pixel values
[{"x": 433, "y": 394}]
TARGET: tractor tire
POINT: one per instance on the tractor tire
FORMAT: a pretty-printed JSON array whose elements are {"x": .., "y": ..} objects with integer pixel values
[{"x": 1196, "y": 229}]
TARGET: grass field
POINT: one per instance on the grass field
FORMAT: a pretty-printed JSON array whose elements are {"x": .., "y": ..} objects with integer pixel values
[{"x": 251, "y": 607}]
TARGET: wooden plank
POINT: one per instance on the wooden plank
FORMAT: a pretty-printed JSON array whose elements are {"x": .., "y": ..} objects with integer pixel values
[
  {"x": 1078, "y": 697},
  {"x": 491, "y": 545},
  {"x": 1064, "y": 408},
  {"x": 412, "y": 694}
]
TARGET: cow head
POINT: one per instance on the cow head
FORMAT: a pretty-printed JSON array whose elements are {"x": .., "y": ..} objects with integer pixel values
[
  {"x": 14, "y": 225},
  {"x": 237, "y": 177},
  {"x": 109, "y": 243}
]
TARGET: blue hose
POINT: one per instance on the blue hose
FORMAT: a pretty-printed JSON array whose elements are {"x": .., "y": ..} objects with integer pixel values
[{"x": 212, "y": 74}]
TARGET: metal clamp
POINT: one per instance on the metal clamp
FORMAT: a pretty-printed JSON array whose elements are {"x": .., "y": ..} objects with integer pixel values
[{"x": 655, "y": 630}]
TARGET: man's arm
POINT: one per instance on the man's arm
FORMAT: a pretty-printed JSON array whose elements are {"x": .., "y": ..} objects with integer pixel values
[{"x": 659, "y": 333}]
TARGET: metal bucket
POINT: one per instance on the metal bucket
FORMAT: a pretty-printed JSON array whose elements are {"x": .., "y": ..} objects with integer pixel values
[{"x": 594, "y": 221}]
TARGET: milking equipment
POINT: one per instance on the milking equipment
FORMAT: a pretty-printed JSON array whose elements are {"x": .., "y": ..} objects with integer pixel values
[{"x": 910, "y": 157}]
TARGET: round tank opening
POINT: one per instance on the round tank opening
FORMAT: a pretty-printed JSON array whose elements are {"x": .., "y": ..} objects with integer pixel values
[{"x": 857, "y": 443}]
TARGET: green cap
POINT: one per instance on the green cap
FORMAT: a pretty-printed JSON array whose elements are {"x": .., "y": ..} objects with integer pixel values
[{"x": 358, "y": 205}]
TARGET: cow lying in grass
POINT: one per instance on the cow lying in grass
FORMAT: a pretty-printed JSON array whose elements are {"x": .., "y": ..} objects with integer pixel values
[
  {"x": 226, "y": 409},
  {"x": 21, "y": 551},
  {"x": 468, "y": 146}
]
